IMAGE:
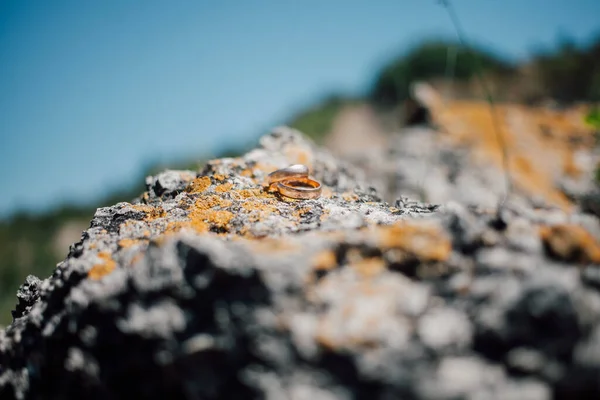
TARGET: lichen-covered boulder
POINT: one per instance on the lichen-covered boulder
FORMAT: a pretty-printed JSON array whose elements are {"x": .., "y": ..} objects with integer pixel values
[{"x": 209, "y": 286}]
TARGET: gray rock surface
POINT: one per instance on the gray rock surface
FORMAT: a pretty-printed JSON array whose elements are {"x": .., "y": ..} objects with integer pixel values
[{"x": 210, "y": 287}]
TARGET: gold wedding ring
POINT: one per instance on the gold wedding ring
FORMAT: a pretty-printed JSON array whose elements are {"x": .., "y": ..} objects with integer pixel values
[
  {"x": 293, "y": 182},
  {"x": 291, "y": 172},
  {"x": 300, "y": 188}
]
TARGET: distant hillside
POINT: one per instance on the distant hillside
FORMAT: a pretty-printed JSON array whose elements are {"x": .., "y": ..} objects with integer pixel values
[{"x": 565, "y": 75}]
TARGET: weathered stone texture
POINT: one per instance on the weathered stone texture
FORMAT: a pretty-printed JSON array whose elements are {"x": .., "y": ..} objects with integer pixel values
[{"x": 208, "y": 286}]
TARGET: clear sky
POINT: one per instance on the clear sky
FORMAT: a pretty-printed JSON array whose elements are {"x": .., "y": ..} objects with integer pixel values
[{"x": 91, "y": 91}]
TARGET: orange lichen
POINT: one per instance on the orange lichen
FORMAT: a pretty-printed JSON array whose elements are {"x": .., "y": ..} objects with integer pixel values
[
  {"x": 208, "y": 211},
  {"x": 173, "y": 227},
  {"x": 258, "y": 210},
  {"x": 324, "y": 260},
  {"x": 211, "y": 201},
  {"x": 248, "y": 173},
  {"x": 540, "y": 142},
  {"x": 225, "y": 187},
  {"x": 124, "y": 243},
  {"x": 203, "y": 214},
  {"x": 423, "y": 241},
  {"x": 103, "y": 268},
  {"x": 219, "y": 177},
  {"x": 570, "y": 242},
  {"x": 199, "y": 185},
  {"x": 251, "y": 193},
  {"x": 299, "y": 213},
  {"x": 220, "y": 218},
  {"x": 369, "y": 267},
  {"x": 152, "y": 212}
]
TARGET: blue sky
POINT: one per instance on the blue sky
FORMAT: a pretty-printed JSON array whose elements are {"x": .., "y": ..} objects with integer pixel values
[{"x": 91, "y": 91}]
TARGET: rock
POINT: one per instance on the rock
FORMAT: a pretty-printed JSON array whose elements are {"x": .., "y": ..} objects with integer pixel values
[
  {"x": 571, "y": 243},
  {"x": 28, "y": 295},
  {"x": 168, "y": 183},
  {"x": 211, "y": 286}
]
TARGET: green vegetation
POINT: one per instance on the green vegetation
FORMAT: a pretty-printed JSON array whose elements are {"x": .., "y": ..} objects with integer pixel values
[
  {"x": 316, "y": 122},
  {"x": 565, "y": 74},
  {"x": 27, "y": 246},
  {"x": 593, "y": 118},
  {"x": 429, "y": 60},
  {"x": 570, "y": 73}
]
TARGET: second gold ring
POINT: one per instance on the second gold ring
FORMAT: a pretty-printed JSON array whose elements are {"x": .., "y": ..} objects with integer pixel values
[{"x": 292, "y": 172}]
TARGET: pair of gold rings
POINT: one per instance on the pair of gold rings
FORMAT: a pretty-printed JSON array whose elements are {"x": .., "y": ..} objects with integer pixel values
[{"x": 293, "y": 182}]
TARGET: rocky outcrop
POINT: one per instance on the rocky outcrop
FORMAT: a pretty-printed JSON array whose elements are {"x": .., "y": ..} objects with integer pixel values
[{"x": 209, "y": 286}]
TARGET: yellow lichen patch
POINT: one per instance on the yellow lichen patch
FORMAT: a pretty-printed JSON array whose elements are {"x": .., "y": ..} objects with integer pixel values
[
  {"x": 206, "y": 213},
  {"x": 152, "y": 212},
  {"x": 425, "y": 241},
  {"x": 324, "y": 260},
  {"x": 219, "y": 177},
  {"x": 220, "y": 218},
  {"x": 540, "y": 142},
  {"x": 257, "y": 205},
  {"x": 570, "y": 242},
  {"x": 299, "y": 213},
  {"x": 369, "y": 267},
  {"x": 103, "y": 268},
  {"x": 248, "y": 173},
  {"x": 258, "y": 209},
  {"x": 202, "y": 220},
  {"x": 225, "y": 187},
  {"x": 124, "y": 243},
  {"x": 211, "y": 201},
  {"x": 246, "y": 193},
  {"x": 199, "y": 185},
  {"x": 173, "y": 227},
  {"x": 241, "y": 194}
]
